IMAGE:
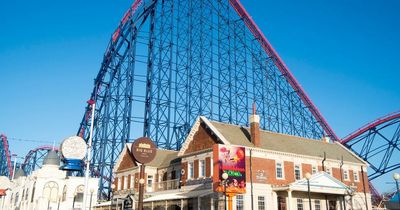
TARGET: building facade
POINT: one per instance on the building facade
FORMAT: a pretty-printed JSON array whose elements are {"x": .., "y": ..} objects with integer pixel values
[
  {"x": 48, "y": 188},
  {"x": 276, "y": 165}
]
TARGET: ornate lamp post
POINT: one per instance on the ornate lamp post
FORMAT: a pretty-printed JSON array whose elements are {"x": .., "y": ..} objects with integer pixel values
[
  {"x": 396, "y": 178},
  {"x": 225, "y": 178},
  {"x": 308, "y": 176}
]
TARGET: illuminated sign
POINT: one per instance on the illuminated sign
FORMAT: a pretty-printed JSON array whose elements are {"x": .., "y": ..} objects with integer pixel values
[{"x": 232, "y": 161}]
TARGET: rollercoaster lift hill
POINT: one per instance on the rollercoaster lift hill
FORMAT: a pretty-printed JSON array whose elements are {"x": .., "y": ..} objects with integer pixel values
[{"x": 170, "y": 61}]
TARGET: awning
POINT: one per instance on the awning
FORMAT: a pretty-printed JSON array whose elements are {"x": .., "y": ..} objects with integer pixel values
[{"x": 178, "y": 195}]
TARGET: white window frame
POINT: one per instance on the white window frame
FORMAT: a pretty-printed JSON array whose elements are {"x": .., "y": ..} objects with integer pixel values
[
  {"x": 299, "y": 169},
  {"x": 240, "y": 202},
  {"x": 191, "y": 170},
  {"x": 202, "y": 171},
  {"x": 126, "y": 182},
  {"x": 314, "y": 169},
  {"x": 261, "y": 202},
  {"x": 355, "y": 174},
  {"x": 132, "y": 184},
  {"x": 119, "y": 183},
  {"x": 328, "y": 171},
  {"x": 211, "y": 167},
  {"x": 299, "y": 204},
  {"x": 346, "y": 175},
  {"x": 282, "y": 169},
  {"x": 317, "y": 204}
]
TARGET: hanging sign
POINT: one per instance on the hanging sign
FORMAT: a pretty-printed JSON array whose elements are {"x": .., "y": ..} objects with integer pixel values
[
  {"x": 143, "y": 150},
  {"x": 232, "y": 161}
]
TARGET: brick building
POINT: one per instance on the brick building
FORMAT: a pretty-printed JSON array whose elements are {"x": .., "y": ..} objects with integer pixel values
[{"x": 276, "y": 165}]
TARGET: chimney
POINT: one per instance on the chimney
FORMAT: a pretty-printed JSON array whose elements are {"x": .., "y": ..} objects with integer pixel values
[{"x": 255, "y": 127}]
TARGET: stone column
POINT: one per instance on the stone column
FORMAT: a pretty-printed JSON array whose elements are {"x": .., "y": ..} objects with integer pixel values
[{"x": 289, "y": 200}]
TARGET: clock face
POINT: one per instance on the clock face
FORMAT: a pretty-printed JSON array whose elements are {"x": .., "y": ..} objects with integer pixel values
[{"x": 74, "y": 147}]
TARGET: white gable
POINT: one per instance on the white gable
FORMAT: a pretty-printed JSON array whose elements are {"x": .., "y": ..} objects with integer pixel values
[
  {"x": 320, "y": 182},
  {"x": 194, "y": 130}
]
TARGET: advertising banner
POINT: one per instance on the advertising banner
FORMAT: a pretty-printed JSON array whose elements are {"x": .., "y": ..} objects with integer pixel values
[{"x": 232, "y": 161}]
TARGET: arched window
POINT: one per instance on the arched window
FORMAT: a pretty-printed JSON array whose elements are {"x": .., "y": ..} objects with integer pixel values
[
  {"x": 79, "y": 193},
  {"x": 64, "y": 195},
  {"x": 33, "y": 191},
  {"x": 50, "y": 191}
]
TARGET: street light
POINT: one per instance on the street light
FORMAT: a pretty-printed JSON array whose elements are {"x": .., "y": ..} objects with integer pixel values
[
  {"x": 308, "y": 176},
  {"x": 91, "y": 196},
  {"x": 225, "y": 178},
  {"x": 396, "y": 178}
]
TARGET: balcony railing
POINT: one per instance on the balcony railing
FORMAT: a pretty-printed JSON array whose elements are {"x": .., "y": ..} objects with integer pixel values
[{"x": 163, "y": 185}]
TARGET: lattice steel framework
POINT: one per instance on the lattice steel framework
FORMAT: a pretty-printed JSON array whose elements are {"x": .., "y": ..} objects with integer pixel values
[
  {"x": 378, "y": 143},
  {"x": 5, "y": 157},
  {"x": 34, "y": 159},
  {"x": 170, "y": 61}
]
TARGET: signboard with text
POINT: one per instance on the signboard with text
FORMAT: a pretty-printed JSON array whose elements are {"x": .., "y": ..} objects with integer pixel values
[
  {"x": 143, "y": 150},
  {"x": 232, "y": 161}
]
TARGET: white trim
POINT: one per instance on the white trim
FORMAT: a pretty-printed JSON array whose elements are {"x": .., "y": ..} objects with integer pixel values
[
  {"x": 120, "y": 157},
  {"x": 282, "y": 169},
  {"x": 215, "y": 130},
  {"x": 300, "y": 170},
  {"x": 194, "y": 130},
  {"x": 352, "y": 153}
]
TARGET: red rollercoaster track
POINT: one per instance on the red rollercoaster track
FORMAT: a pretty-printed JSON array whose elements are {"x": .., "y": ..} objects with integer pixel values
[
  {"x": 241, "y": 11},
  {"x": 370, "y": 125}
]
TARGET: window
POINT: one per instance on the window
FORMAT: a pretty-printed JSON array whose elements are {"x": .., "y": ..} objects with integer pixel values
[
  {"x": 211, "y": 167},
  {"x": 279, "y": 171},
  {"x": 355, "y": 174},
  {"x": 317, "y": 204},
  {"x": 202, "y": 168},
  {"x": 126, "y": 182},
  {"x": 314, "y": 169},
  {"x": 64, "y": 195},
  {"x": 328, "y": 171},
  {"x": 149, "y": 180},
  {"x": 346, "y": 175},
  {"x": 239, "y": 202},
  {"x": 50, "y": 191},
  {"x": 261, "y": 203},
  {"x": 33, "y": 192},
  {"x": 191, "y": 171},
  {"x": 297, "y": 172},
  {"x": 132, "y": 185},
  {"x": 119, "y": 183},
  {"x": 299, "y": 204},
  {"x": 79, "y": 193}
]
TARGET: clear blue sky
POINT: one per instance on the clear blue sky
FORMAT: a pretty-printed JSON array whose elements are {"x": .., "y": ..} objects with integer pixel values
[{"x": 343, "y": 53}]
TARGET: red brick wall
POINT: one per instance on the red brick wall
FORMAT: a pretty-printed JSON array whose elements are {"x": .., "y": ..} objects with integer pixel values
[
  {"x": 208, "y": 167},
  {"x": 306, "y": 168},
  {"x": 126, "y": 163},
  {"x": 201, "y": 140},
  {"x": 196, "y": 169},
  {"x": 184, "y": 166}
]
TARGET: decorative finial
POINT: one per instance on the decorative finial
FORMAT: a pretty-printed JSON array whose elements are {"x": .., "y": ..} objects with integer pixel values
[{"x": 254, "y": 108}]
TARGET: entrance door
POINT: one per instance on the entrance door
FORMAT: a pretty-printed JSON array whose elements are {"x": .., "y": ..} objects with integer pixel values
[
  {"x": 281, "y": 203},
  {"x": 332, "y": 205}
]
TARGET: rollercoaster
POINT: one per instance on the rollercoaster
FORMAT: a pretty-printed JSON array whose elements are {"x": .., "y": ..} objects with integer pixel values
[{"x": 170, "y": 61}]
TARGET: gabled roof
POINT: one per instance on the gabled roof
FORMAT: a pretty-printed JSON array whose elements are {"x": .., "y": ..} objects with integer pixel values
[
  {"x": 238, "y": 135},
  {"x": 162, "y": 159}
]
